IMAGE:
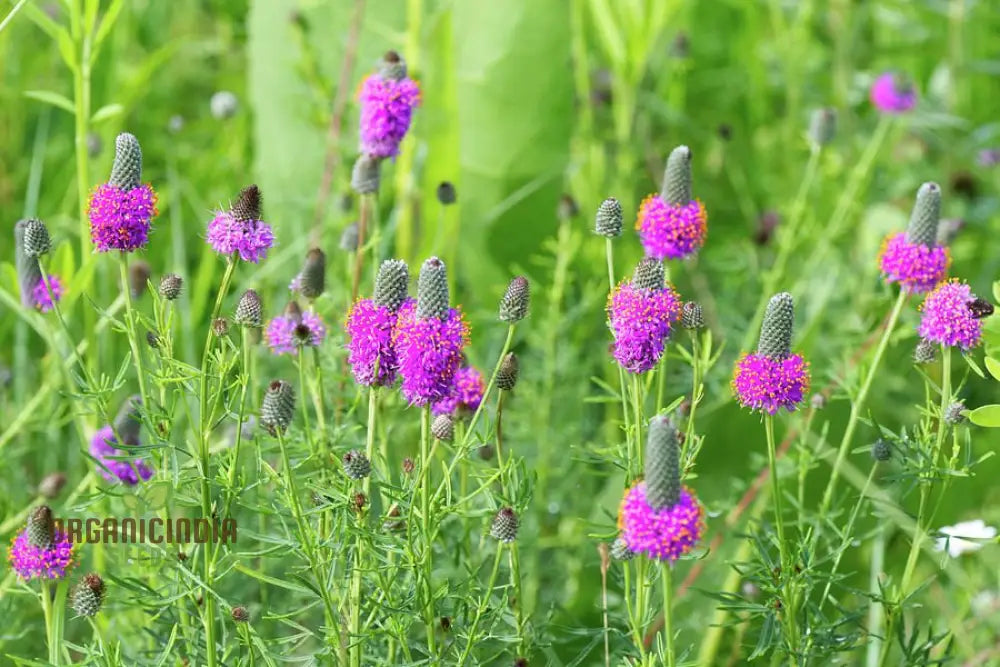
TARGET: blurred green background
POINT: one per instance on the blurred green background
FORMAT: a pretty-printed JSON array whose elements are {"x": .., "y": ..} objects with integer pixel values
[{"x": 524, "y": 101}]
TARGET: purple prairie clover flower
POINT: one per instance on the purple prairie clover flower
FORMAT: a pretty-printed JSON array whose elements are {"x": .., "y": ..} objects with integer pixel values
[
  {"x": 671, "y": 231},
  {"x": 949, "y": 316},
  {"x": 429, "y": 350},
  {"x": 41, "y": 562},
  {"x": 250, "y": 238},
  {"x": 665, "y": 534},
  {"x": 915, "y": 266},
  {"x": 768, "y": 384},
  {"x": 114, "y": 467},
  {"x": 371, "y": 352},
  {"x": 46, "y": 298},
  {"x": 120, "y": 218},
  {"x": 892, "y": 94},
  {"x": 466, "y": 393},
  {"x": 641, "y": 322},
  {"x": 286, "y": 333},
  {"x": 387, "y": 104}
]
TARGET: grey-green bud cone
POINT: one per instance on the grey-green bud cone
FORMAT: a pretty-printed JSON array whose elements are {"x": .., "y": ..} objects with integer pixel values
[
  {"x": 248, "y": 204},
  {"x": 349, "y": 238},
  {"x": 443, "y": 428},
  {"x": 365, "y": 175},
  {"x": 278, "y": 407},
  {"x": 663, "y": 468},
  {"x": 41, "y": 527},
  {"x": 823, "y": 126},
  {"x": 126, "y": 170},
  {"x": 128, "y": 422},
  {"x": 312, "y": 278},
  {"x": 676, "y": 188},
  {"x": 648, "y": 274},
  {"x": 881, "y": 450},
  {"x": 249, "y": 310},
  {"x": 608, "y": 221},
  {"x": 515, "y": 301},
  {"x": 432, "y": 289},
  {"x": 29, "y": 273},
  {"x": 692, "y": 316},
  {"x": 953, "y": 413},
  {"x": 392, "y": 284},
  {"x": 240, "y": 614},
  {"x": 505, "y": 524},
  {"x": 170, "y": 286},
  {"x": 507, "y": 374},
  {"x": 37, "y": 241},
  {"x": 620, "y": 551},
  {"x": 356, "y": 464},
  {"x": 926, "y": 215},
  {"x": 777, "y": 327},
  {"x": 88, "y": 596},
  {"x": 925, "y": 352}
]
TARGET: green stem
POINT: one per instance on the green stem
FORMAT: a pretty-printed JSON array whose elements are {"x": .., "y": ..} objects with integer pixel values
[
  {"x": 130, "y": 321},
  {"x": 787, "y": 567},
  {"x": 857, "y": 408},
  {"x": 481, "y": 608},
  {"x": 355, "y": 631},
  {"x": 425, "y": 525},
  {"x": 696, "y": 391},
  {"x": 637, "y": 407},
  {"x": 876, "y": 610},
  {"x": 305, "y": 404},
  {"x": 81, "y": 99},
  {"x": 622, "y": 386},
  {"x": 515, "y": 580},
  {"x": 668, "y": 625}
]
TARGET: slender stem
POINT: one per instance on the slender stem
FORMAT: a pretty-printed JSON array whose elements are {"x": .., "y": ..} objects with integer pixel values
[
  {"x": 668, "y": 625},
  {"x": 848, "y": 536},
  {"x": 305, "y": 405},
  {"x": 876, "y": 610},
  {"x": 355, "y": 631},
  {"x": 481, "y": 608},
  {"x": 46, "y": 599},
  {"x": 499, "y": 430},
  {"x": 787, "y": 566},
  {"x": 130, "y": 321},
  {"x": 637, "y": 407},
  {"x": 489, "y": 387},
  {"x": 81, "y": 95},
  {"x": 857, "y": 408},
  {"x": 622, "y": 386},
  {"x": 640, "y": 605},
  {"x": 515, "y": 580},
  {"x": 58, "y": 622},
  {"x": 367, "y": 202},
  {"x": 425, "y": 525},
  {"x": 696, "y": 391}
]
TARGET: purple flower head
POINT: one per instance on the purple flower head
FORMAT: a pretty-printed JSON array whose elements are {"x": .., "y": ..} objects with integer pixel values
[
  {"x": 120, "y": 218},
  {"x": 227, "y": 234},
  {"x": 113, "y": 464},
  {"x": 370, "y": 330},
  {"x": 948, "y": 319},
  {"x": 671, "y": 231},
  {"x": 771, "y": 383},
  {"x": 466, "y": 393},
  {"x": 45, "y": 299},
  {"x": 386, "y": 111},
  {"x": 665, "y": 534},
  {"x": 641, "y": 323},
  {"x": 915, "y": 266},
  {"x": 892, "y": 94},
  {"x": 429, "y": 350},
  {"x": 286, "y": 333},
  {"x": 41, "y": 562}
]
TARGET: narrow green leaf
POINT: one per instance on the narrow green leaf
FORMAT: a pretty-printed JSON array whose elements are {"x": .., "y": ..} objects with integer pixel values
[
  {"x": 106, "y": 112},
  {"x": 993, "y": 366},
  {"x": 53, "y": 98},
  {"x": 281, "y": 583},
  {"x": 986, "y": 415}
]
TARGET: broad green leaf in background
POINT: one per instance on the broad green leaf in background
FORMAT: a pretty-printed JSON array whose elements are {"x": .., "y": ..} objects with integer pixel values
[{"x": 986, "y": 415}]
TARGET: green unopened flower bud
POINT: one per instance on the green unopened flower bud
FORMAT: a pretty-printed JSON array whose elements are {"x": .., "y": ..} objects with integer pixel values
[
  {"x": 312, "y": 278},
  {"x": 128, "y": 421},
  {"x": 676, "y": 188},
  {"x": 365, "y": 175},
  {"x": 823, "y": 126},
  {"x": 443, "y": 428},
  {"x": 777, "y": 327},
  {"x": 278, "y": 407},
  {"x": 505, "y": 524},
  {"x": 138, "y": 277},
  {"x": 126, "y": 170},
  {"x": 392, "y": 67},
  {"x": 953, "y": 413},
  {"x": 432, "y": 290},
  {"x": 41, "y": 527},
  {"x": 926, "y": 215},
  {"x": 349, "y": 238},
  {"x": 392, "y": 284},
  {"x": 510, "y": 367},
  {"x": 648, "y": 274},
  {"x": 515, "y": 301},
  {"x": 29, "y": 273},
  {"x": 88, "y": 596},
  {"x": 170, "y": 286},
  {"x": 446, "y": 193},
  {"x": 249, "y": 310},
  {"x": 240, "y": 614},
  {"x": 37, "y": 241},
  {"x": 663, "y": 470},
  {"x": 925, "y": 352},
  {"x": 692, "y": 316},
  {"x": 248, "y": 204},
  {"x": 620, "y": 550},
  {"x": 881, "y": 450},
  {"x": 608, "y": 221},
  {"x": 356, "y": 464}
]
